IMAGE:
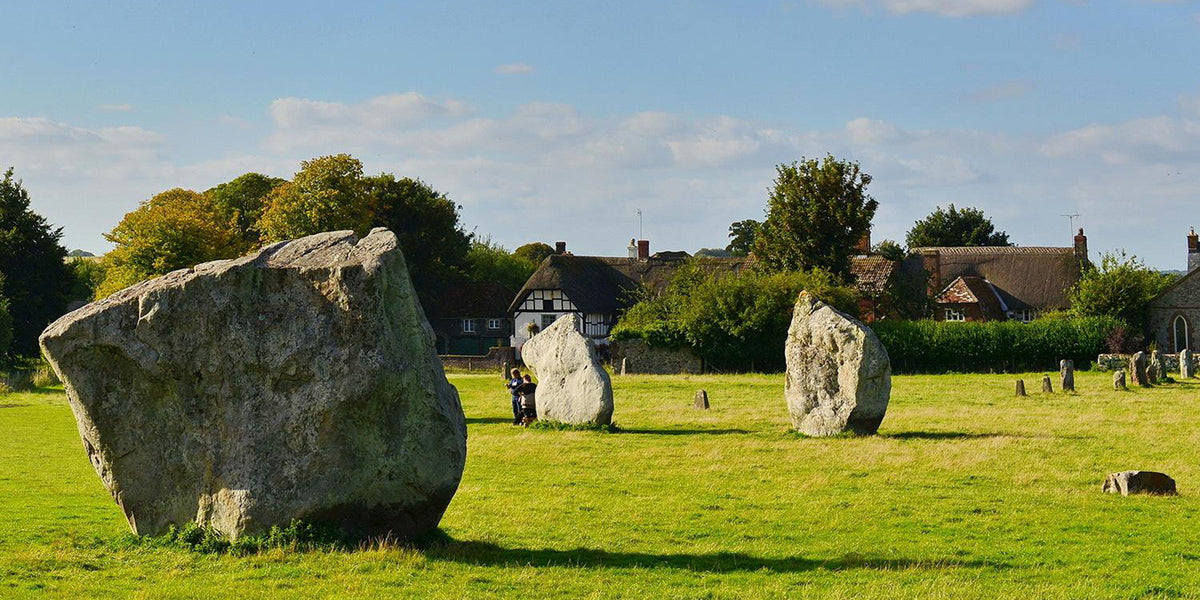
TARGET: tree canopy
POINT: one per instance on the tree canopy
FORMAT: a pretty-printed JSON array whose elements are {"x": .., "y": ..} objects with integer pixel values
[
  {"x": 173, "y": 230},
  {"x": 955, "y": 227},
  {"x": 329, "y": 193},
  {"x": 741, "y": 237},
  {"x": 889, "y": 250},
  {"x": 37, "y": 281},
  {"x": 488, "y": 261},
  {"x": 534, "y": 252},
  {"x": 817, "y": 212},
  {"x": 1120, "y": 286},
  {"x": 240, "y": 203}
]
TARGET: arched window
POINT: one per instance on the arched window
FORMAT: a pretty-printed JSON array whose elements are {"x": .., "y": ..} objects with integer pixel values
[{"x": 1181, "y": 333}]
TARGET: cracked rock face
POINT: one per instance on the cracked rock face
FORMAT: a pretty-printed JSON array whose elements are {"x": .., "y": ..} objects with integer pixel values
[
  {"x": 839, "y": 377},
  {"x": 298, "y": 382},
  {"x": 573, "y": 386}
]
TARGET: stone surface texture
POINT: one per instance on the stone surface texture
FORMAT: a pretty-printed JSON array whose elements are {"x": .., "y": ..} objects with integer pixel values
[
  {"x": 1138, "y": 366},
  {"x": 1021, "y": 387},
  {"x": 1139, "y": 482},
  {"x": 1186, "y": 367},
  {"x": 1066, "y": 370},
  {"x": 839, "y": 377},
  {"x": 701, "y": 400},
  {"x": 1156, "y": 369},
  {"x": 573, "y": 386},
  {"x": 298, "y": 382},
  {"x": 1119, "y": 380}
]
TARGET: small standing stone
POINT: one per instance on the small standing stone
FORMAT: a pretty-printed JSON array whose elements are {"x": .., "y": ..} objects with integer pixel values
[
  {"x": 1186, "y": 369},
  {"x": 1137, "y": 370},
  {"x": 1119, "y": 380},
  {"x": 1139, "y": 482},
  {"x": 1066, "y": 368},
  {"x": 1047, "y": 386},
  {"x": 701, "y": 400},
  {"x": 622, "y": 366},
  {"x": 1021, "y": 387},
  {"x": 504, "y": 371},
  {"x": 1155, "y": 370}
]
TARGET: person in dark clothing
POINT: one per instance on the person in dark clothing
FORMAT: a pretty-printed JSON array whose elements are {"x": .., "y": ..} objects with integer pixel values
[
  {"x": 514, "y": 384},
  {"x": 528, "y": 403}
]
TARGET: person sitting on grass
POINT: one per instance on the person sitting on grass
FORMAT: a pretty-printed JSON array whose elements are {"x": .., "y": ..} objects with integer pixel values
[
  {"x": 514, "y": 384},
  {"x": 528, "y": 404}
]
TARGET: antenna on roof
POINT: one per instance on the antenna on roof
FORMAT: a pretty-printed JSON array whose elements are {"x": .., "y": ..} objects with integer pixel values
[
  {"x": 1072, "y": 217},
  {"x": 639, "y": 213}
]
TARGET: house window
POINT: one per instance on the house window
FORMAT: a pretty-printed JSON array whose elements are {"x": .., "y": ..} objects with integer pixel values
[
  {"x": 955, "y": 314},
  {"x": 1181, "y": 333},
  {"x": 468, "y": 325},
  {"x": 1023, "y": 315},
  {"x": 493, "y": 324},
  {"x": 548, "y": 320}
]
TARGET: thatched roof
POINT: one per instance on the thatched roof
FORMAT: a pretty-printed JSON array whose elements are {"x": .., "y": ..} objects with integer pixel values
[{"x": 1024, "y": 276}]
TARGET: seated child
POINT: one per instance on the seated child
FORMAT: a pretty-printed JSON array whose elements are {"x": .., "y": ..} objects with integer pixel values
[{"x": 528, "y": 404}]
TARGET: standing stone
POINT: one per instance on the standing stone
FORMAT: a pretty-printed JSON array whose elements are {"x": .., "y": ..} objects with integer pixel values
[
  {"x": 1186, "y": 368},
  {"x": 839, "y": 376},
  {"x": 1119, "y": 380},
  {"x": 701, "y": 400},
  {"x": 1066, "y": 369},
  {"x": 1139, "y": 482},
  {"x": 1047, "y": 387},
  {"x": 1155, "y": 370},
  {"x": 504, "y": 371},
  {"x": 1021, "y": 387},
  {"x": 623, "y": 366},
  {"x": 298, "y": 382},
  {"x": 573, "y": 386},
  {"x": 1137, "y": 370}
]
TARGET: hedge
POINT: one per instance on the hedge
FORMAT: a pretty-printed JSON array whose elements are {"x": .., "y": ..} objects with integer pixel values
[{"x": 996, "y": 346}]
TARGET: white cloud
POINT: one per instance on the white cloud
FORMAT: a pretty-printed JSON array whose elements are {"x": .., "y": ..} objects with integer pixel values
[
  {"x": 944, "y": 8},
  {"x": 514, "y": 69}
]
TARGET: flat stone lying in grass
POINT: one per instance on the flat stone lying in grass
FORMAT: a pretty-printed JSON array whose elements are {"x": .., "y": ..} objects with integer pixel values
[
  {"x": 299, "y": 382},
  {"x": 1139, "y": 482},
  {"x": 839, "y": 377},
  {"x": 573, "y": 387}
]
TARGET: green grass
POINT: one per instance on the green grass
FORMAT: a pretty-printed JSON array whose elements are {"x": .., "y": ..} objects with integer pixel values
[{"x": 966, "y": 492}]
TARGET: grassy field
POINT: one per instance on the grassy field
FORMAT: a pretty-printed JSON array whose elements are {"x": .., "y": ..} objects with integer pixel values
[{"x": 967, "y": 492}]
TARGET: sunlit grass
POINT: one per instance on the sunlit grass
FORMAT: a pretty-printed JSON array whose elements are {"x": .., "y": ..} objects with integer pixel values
[{"x": 967, "y": 491}]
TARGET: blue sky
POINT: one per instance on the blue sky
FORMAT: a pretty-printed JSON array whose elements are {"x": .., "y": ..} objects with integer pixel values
[{"x": 558, "y": 120}]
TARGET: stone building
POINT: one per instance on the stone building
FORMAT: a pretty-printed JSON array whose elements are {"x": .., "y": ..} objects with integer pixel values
[
  {"x": 1173, "y": 314},
  {"x": 471, "y": 317},
  {"x": 997, "y": 283}
]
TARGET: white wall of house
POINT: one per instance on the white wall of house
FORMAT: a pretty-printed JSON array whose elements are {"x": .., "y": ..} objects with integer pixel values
[{"x": 543, "y": 307}]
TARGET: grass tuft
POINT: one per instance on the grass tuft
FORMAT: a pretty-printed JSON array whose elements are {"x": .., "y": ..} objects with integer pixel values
[{"x": 545, "y": 425}]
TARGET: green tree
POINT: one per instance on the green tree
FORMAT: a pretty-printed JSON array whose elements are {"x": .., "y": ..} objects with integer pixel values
[
  {"x": 240, "y": 202},
  {"x": 37, "y": 280},
  {"x": 329, "y": 193},
  {"x": 534, "y": 252},
  {"x": 955, "y": 227},
  {"x": 889, "y": 250},
  {"x": 488, "y": 261},
  {"x": 173, "y": 230},
  {"x": 6, "y": 327},
  {"x": 817, "y": 212},
  {"x": 1120, "y": 287},
  {"x": 88, "y": 275},
  {"x": 426, "y": 222},
  {"x": 742, "y": 234}
]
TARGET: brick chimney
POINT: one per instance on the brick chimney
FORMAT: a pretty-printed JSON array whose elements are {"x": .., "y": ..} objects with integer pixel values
[
  {"x": 560, "y": 247},
  {"x": 1193, "y": 250},
  {"x": 643, "y": 249},
  {"x": 864, "y": 244},
  {"x": 1081, "y": 254},
  {"x": 933, "y": 266}
]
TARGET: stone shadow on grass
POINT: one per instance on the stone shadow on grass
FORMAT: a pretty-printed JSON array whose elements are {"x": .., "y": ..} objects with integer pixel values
[
  {"x": 685, "y": 431},
  {"x": 488, "y": 554},
  {"x": 945, "y": 435},
  {"x": 477, "y": 420}
]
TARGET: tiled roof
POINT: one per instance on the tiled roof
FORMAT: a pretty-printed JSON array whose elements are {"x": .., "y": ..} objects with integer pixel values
[{"x": 872, "y": 273}]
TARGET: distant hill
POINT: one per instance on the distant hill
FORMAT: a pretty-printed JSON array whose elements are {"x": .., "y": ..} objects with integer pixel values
[{"x": 76, "y": 253}]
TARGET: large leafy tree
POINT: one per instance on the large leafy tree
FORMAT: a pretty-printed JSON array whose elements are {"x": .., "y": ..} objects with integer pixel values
[
  {"x": 6, "y": 323},
  {"x": 37, "y": 281},
  {"x": 1120, "y": 286},
  {"x": 955, "y": 227},
  {"x": 534, "y": 252},
  {"x": 741, "y": 237},
  {"x": 816, "y": 212},
  {"x": 426, "y": 222},
  {"x": 240, "y": 202},
  {"x": 489, "y": 261},
  {"x": 173, "y": 230},
  {"x": 329, "y": 193}
]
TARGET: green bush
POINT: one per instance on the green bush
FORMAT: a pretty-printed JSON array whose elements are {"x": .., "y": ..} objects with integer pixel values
[
  {"x": 999, "y": 346},
  {"x": 734, "y": 321}
]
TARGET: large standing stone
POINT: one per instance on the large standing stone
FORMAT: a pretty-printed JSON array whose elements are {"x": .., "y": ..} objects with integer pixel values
[
  {"x": 573, "y": 386},
  {"x": 1155, "y": 369},
  {"x": 1119, "y": 380},
  {"x": 1066, "y": 370},
  {"x": 1139, "y": 482},
  {"x": 1137, "y": 370},
  {"x": 299, "y": 382},
  {"x": 839, "y": 376},
  {"x": 1186, "y": 368}
]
